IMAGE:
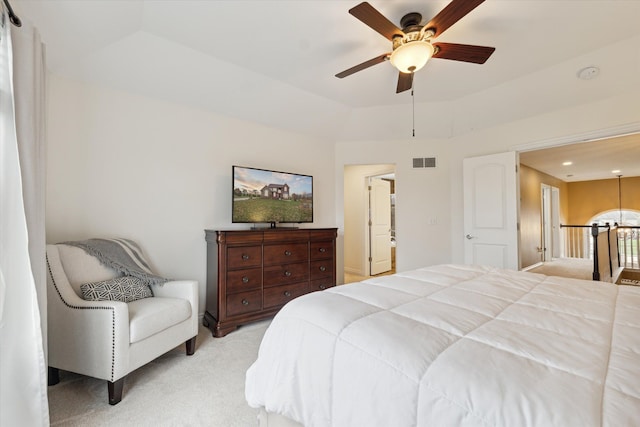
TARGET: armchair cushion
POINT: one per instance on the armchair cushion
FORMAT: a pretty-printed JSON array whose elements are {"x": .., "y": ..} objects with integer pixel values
[
  {"x": 125, "y": 289},
  {"x": 152, "y": 315}
]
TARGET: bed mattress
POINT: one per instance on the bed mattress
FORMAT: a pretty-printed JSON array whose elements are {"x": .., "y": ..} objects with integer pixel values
[{"x": 454, "y": 345}]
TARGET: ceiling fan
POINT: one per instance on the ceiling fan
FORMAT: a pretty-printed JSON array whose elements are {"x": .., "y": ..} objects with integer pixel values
[{"x": 413, "y": 45}]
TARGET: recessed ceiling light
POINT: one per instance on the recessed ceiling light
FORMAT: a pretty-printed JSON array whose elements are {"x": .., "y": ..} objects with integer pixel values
[
  {"x": 567, "y": 163},
  {"x": 615, "y": 171}
]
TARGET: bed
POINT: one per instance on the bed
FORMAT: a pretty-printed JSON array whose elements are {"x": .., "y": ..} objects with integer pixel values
[{"x": 453, "y": 345}]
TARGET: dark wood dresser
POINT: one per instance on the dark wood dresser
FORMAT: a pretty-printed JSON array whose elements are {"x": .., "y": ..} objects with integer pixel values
[{"x": 251, "y": 274}]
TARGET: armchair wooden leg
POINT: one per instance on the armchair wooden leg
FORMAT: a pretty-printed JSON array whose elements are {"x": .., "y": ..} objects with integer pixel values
[
  {"x": 53, "y": 377},
  {"x": 191, "y": 346},
  {"x": 115, "y": 391}
]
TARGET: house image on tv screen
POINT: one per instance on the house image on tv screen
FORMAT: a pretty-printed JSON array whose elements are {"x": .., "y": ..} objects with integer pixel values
[{"x": 275, "y": 191}]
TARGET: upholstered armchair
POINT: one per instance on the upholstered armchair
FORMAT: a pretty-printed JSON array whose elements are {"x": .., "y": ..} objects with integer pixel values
[{"x": 107, "y": 339}]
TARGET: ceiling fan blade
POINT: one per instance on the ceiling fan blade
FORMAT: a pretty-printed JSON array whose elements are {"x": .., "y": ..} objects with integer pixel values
[
  {"x": 405, "y": 82},
  {"x": 463, "y": 52},
  {"x": 360, "y": 67},
  {"x": 451, "y": 14},
  {"x": 374, "y": 19}
]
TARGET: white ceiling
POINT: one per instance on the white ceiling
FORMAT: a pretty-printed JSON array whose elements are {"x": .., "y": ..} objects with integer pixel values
[{"x": 273, "y": 62}]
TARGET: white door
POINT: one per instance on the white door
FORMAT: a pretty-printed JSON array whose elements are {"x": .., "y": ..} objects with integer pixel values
[
  {"x": 547, "y": 239},
  {"x": 550, "y": 222},
  {"x": 379, "y": 226},
  {"x": 555, "y": 223},
  {"x": 491, "y": 210}
]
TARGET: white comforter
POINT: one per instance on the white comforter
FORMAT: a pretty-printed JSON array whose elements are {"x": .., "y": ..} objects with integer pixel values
[{"x": 454, "y": 346}]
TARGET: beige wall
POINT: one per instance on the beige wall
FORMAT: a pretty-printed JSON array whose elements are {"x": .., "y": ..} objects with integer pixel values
[
  {"x": 531, "y": 181},
  {"x": 589, "y": 198},
  {"x": 123, "y": 164},
  {"x": 120, "y": 164}
]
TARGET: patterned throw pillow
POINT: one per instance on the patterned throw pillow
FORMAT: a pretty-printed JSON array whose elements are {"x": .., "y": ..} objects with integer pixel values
[{"x": 125, "y": 289}]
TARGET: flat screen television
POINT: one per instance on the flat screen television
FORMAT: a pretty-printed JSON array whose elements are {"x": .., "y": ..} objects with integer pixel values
[{"x": 266, "y": 196}]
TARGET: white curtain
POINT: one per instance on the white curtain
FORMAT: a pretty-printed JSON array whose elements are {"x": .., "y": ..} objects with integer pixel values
[{"x": 23, "y": 389}]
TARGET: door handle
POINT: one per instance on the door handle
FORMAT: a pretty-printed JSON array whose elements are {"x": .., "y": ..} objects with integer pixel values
[{"x": 469, "y": 237}]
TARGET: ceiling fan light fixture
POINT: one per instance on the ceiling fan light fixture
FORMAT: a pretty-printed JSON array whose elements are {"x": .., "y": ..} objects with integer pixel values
[{"x": 412, "y": 56}]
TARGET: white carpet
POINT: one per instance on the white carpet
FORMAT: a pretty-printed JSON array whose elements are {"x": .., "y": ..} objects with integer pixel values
[{"x": 206, "y": 389}]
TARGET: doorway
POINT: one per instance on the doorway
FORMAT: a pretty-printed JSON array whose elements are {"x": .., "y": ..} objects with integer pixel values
[
  {"x": 368, "y": 239},
  {"x": 550, "y": 222}
]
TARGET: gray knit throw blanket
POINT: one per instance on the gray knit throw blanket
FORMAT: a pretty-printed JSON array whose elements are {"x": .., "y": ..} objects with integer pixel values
[{"x": 123, "y": 255}]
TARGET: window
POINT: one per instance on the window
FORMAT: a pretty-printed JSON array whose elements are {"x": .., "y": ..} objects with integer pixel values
[
  {"x": 621, "y": 217},
  {"x": 628, "y": 234}
]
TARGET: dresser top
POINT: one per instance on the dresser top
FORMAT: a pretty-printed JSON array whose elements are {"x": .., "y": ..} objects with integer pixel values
[{"x": 270, "y": 234}]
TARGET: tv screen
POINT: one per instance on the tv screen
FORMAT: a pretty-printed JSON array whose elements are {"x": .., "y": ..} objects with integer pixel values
[{"x": 268, "y": 196}]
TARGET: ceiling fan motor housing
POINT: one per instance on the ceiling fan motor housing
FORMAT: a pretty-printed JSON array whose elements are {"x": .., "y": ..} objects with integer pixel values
[
  {"x": 412, "y": 45},
  {"x": 412, "y": 30},
  {"x": 411, "y": 22}
]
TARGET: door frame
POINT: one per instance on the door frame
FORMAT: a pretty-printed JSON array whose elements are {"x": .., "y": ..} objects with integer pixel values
[
  {"x": 599, "y": 134},
  {"x": 371, "y": 226},
  {"x": 492, "y": 210},
  {"x": 558, "y": 246},
  {"x": 365, "y": 213},
  {"x": 546, "y": 241},
  {"x": 550, "y": 216}
]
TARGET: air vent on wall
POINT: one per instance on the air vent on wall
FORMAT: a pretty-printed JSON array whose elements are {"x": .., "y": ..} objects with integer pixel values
[{"x": 424, "y": 162}]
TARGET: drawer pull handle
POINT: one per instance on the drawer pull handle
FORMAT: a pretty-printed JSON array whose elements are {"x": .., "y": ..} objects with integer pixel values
[
  {"x": 245, "y": 257},
  {"x": 245, "y": 279},
  {"x": 322, "y": 250},
  {"x": 287, "y": 273},
  {"x": 287, "y": 253},
  {"x": 287, "y": 294},
  {"x": 323, "y": 268},
  {"x": 322, "y": 287},
  {"x": 245, "y": 302}
]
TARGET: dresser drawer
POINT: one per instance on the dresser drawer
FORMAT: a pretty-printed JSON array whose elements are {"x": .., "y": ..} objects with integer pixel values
[
  {"x": 328, "y": 234},
  {"x": 244, "y": 257},
  {"x": 244, "y": 302},
  {"x": 288, "y": 273},
  {"x": 280, "y": 295},
  {"x": 286, "y": 253},
  {"x": 322, "y": 268},
  {"x": 321, "y": 250},
  {"x": 322, "y": 284},
  {"x": 244, "y": 280}
]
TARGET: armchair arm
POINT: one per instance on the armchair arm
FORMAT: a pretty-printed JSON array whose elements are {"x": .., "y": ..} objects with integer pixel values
[
  {"x": 185, "y": 289},
  {"x": 86, "y": 337}
]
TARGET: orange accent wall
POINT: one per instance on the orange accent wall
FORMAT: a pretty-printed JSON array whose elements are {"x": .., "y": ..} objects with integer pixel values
[{"x": 589, "y": 198}]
